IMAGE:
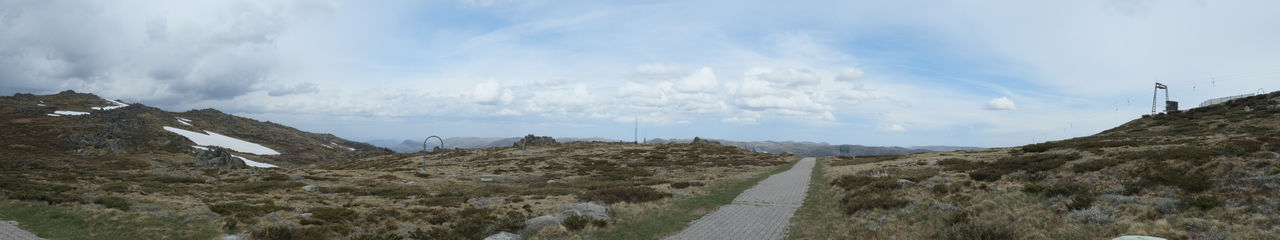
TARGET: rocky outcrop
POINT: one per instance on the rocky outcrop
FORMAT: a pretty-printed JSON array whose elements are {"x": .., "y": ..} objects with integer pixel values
[
  {"x": 534, "y": 140},
  {"x": 700, "y": 141},
  {"x": 591, "y": 210},
  {"x": 217, "y": 158}
]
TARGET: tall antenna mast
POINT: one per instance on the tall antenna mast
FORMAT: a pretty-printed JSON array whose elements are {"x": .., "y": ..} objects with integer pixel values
[{"x": 635, "y": 137}]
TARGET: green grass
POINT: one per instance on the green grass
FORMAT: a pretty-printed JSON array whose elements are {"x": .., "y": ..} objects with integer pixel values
[
  {"x": 821, "y": 204},
  {"x": 61, "y": 222},
  {"x": 675, "y": 214}
]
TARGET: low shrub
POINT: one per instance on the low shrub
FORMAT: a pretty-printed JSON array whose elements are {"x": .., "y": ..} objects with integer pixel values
[
  {"x": 859, "y": 182},
  {"x": 1203, "y": 202},
  {"x": 957, "y": 164},
  {"x": 866, "y": 201},
  {"x": 286, "y": 233},
  {"x": 259, "y": 187},
  {"x": 916, "y": 174},
  {"x": 979, "y": 231},
  {"x": 623, "y": 194},
  {"x": 1193, "y": 181},
  {"x": 114, "y": 202},
  {"x": 987, "y": 174},
  {"x": 1094, "y": 165},
  {"x": 244, "y": 210},
  {"x": 851, "y": 160},
  {"x": 1031, "y": 163},
  {"x": 576, "y": 222},
  {"x": 1092, "y": 216},
  {"x": 683, "y": 185},
  {"x": 333, "y": 215},
  {"x": 377, "y": 236}
]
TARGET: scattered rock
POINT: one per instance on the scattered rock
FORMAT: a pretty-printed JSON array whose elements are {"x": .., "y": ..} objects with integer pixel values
[
  {"x": 217, "y": 157},
  {"x": 493, "y": 178},
  {"x": 503, "y": 236},
  {"x": 487, "y": 202},
  {"x": 534, "y": 140},
  {"x": 304, "y": 215},
  {"x": 538, "y": 223},
  {"x": 1137, "y": 238},
  {"x": 311, "y": 188},
  {"x": 234, "y": 237},
  {"x": 551, "y": 181},
  {"x": 591, "y": 210}
]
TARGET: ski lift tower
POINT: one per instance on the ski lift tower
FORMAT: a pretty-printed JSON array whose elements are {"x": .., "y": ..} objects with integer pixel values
[{"x": 1170, "y": 106}]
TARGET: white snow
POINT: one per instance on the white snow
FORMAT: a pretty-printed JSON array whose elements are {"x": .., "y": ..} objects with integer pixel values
[
  {"x": 253, "y": 163},
  {"x": 53, "y": 115},
  {"x": 184, "y": 121},
  {"x": 334, "y": 144},
  {"x": 201, "y": 148},
  {"x": 114, "y": 105},
  {"x": 69, "y": 113},
  {"x": 41, "y": 104},
  {"x": 215, "y": 139}
]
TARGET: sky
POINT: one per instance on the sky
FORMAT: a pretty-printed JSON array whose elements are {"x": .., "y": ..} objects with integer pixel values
[{"x": 900, "y": 73}]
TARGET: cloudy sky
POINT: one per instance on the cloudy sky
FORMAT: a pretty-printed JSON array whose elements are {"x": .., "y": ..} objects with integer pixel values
[{"x": 975, "y": 73}]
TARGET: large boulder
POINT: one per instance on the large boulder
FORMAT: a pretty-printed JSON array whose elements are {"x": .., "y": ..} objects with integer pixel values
[
  {"x": 534, "y": 225},
  {"x": 591, "y": 210},
  {"x": 503, "y": 236},
  {"x": 217, "y": 158}
]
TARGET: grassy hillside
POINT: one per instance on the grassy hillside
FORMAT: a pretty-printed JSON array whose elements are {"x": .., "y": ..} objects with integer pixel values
[
  {"x": 132, "y": 137},
  {"x": 1207, "y": 173}
]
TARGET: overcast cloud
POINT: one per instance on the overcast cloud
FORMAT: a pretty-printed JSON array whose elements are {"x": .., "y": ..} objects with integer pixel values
[{"x": 864, "y": 72}]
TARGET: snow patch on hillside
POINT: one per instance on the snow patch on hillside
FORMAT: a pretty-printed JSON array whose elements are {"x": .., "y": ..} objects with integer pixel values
[
  {"x": 114, "y": 105},
  {"x": 215, "y": 139},
  {"x": 253, "y": 163},
  {"x": 69, "y": 113},
  {"x": 184, "y": 121}
]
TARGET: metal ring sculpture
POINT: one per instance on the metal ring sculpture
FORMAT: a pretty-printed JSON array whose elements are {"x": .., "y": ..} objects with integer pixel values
[{"x": 424, "y": 153}]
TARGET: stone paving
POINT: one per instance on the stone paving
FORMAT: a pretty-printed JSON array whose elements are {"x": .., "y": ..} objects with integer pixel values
[
  {"x": 9, "y": 231},
  {"x": 762, "y": 212}
]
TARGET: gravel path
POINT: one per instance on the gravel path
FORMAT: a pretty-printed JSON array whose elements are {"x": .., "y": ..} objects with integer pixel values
[
  {"x": 762, "y": 212},
  {"x": 9, "y": 231}
]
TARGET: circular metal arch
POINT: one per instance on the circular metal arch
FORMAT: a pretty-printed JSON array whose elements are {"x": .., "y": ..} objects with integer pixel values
[{"x": 425, "y": 151}]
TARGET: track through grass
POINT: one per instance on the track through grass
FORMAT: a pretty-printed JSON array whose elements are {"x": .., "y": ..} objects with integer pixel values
[{"x": 674, "y": 215}]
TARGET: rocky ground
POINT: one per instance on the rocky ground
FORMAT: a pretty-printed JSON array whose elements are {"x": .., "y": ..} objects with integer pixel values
[
  {"x": 1208, "y": 173},
  {"x": 475, "y": 193}
]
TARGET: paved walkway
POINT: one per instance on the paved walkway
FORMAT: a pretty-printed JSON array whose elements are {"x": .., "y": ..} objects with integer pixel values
[
  {"x": 10, "y": 231},
  {"x": 762, "y": 212}
]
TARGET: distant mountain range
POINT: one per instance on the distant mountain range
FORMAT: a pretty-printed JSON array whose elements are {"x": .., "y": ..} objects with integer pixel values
[
  {"x": 812, "y": 149},
  {"x": 409, "y": 146}
]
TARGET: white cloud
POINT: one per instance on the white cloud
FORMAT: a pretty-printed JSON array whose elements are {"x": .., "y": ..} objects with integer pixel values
[
  {"x": 740, "y": 120},
  {"x": 507, "y": 112},
  {"x": 658, "y": 71},
  {"x": 701, "y": 81},
  {"x": 1000, "y": 104},
  {"x": 849, "y": 74},
  {"x": 785, "y": 77},
  {"x": 300, "y": 88},
  {"x": 896, "y": 128},
  {"x": 491, "y": 93}
]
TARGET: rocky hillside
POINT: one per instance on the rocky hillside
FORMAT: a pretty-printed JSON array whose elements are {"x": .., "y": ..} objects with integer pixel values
[
  {"x": 80, "y": 129},
  {"x": 1207, "y": 173}
]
